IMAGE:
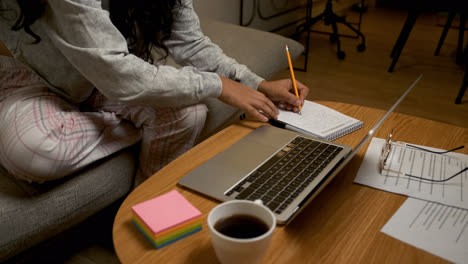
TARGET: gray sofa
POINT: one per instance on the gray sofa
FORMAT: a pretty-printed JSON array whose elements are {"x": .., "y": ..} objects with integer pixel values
[{"x": 33, "y": 213}]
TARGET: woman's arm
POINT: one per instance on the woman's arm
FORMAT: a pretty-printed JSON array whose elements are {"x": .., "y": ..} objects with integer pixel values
[
  {"x": 85, "y": 35},
  {"x": 189, "y": 46}
]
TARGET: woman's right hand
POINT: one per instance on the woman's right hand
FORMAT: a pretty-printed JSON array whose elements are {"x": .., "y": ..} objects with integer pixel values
[{"x": 248, "y": 100}]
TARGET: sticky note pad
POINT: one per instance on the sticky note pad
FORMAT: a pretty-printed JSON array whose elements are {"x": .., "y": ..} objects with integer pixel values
[
  {"x": 170, "y": 231},
  {"x": 166, "y": 218},
  {"x": 172, "y": 237}
]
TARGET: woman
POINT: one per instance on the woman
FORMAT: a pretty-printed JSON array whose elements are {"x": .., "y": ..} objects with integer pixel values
[{"x": 86, "y": 82}]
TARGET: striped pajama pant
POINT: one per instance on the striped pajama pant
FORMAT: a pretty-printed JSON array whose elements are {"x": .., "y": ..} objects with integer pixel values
[{"x": 44, "y": 137}]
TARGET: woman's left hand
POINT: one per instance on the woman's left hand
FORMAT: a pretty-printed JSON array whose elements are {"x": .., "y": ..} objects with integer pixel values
[{"x": 282, "y": 93}]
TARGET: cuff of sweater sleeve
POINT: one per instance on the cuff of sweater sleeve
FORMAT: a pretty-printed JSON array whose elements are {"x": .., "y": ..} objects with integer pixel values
[
  {"x": 212, "y": 86},
  {"x": 252, "y": 81},
  {"x": 257, "y": 82}
]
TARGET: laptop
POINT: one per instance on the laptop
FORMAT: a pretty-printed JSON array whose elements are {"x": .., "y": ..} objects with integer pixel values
[{"x": 283, "y": 168}]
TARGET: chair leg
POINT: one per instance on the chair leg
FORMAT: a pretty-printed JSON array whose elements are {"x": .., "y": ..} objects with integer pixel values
[
  {"x": 447, "y": 25},
  {"x": 462, "y": 88},
  {"x": 329, "y": 18},
  {"x": 306, "y": 27},
  {"x": 461, "y": 33},
  {"x": 465, "y": 79},
  {"x": 405, "y": 32},
  {"x": 339, "y": 53},
  {"x": 362, "y": 46},
  {"x": 306, "y": 52},
  {"x": 406, "y": 27}
]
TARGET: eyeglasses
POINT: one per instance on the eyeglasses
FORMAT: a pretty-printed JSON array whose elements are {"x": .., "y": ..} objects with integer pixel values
[{"x": 387, "y": 149}]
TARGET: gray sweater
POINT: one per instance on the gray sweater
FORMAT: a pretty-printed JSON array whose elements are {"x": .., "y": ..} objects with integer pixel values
[{"x": 81, "y": 49}]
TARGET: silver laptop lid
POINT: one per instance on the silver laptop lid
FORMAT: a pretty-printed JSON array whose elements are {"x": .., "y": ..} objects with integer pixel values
[{"x": 372, "y": 131}]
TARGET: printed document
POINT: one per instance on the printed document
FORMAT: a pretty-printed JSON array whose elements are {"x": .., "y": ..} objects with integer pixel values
[
  {"x": 439, "y": 229},
  {"x": 404, "y": 159}
]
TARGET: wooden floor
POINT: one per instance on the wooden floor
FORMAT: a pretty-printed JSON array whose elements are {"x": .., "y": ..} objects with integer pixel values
[{"x": 362, "y": 78}]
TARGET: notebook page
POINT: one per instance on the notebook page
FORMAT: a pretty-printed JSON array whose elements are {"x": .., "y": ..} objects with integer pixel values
[{"x": 319, "y": 120}]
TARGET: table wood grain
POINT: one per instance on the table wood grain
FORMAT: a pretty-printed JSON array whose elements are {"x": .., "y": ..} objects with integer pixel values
[{"x": 341, "y": 225}]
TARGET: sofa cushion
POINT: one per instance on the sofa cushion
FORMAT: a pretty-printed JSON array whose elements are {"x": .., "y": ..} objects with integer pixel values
[
  {"x": 263, "y": 52},
  {"x": 31, "y": 213}
]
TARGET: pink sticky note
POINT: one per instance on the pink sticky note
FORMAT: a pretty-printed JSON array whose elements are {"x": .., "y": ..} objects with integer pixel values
[{"x": 166, "y": 211}]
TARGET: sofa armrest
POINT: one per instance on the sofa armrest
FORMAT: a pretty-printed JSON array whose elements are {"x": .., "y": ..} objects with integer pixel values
[{"x": 262, "y": 52}]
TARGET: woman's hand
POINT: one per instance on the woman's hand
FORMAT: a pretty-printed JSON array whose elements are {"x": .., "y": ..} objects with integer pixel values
[
  {"x": 282, "y": 93},
  {"x": 248, "y": 100}
]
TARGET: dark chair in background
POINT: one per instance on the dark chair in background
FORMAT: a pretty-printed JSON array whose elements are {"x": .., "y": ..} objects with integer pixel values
[
  {"x": 329, "y": 17},
  {"x": 461, "y": 31},
  {"x": 452, "y": 7},
  {"x": 462, "y": 55}
]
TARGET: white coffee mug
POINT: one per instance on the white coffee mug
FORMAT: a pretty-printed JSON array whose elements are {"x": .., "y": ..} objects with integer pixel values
[{"x": 241, "y": 250}]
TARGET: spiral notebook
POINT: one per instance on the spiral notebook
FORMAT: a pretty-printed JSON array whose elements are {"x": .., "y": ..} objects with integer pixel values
[{"x": 319, "y": 121}]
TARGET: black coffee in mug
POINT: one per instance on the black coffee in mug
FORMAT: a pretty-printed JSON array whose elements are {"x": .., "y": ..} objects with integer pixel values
[{"x": 241, "y": 226}]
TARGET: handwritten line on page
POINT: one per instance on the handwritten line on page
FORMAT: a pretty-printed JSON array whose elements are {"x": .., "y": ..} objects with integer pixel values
[
  {"x": 320, "y": 121},
  {"x": 421, "y": 163},
  {"x": 439, "y": 229}
]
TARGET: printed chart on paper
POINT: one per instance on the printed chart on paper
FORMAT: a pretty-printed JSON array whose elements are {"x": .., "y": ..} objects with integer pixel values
[{"x": 407, "y": 160}]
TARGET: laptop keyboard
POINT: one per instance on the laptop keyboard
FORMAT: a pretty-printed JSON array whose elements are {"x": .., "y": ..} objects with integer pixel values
[{"x": 285, "y": 175}]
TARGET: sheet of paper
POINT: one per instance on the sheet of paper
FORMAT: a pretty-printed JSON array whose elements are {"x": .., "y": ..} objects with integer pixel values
[
  {"x": 419, "y": 163},
  {"x": 439, "y": 229}
]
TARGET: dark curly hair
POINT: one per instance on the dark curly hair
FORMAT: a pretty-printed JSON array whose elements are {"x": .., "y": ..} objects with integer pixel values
[
  {"x": 144, "y": 23},
  {"x": 29, "y": 12}
]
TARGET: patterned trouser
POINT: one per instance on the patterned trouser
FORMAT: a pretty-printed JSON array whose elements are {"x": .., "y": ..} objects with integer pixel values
[{"x": 44, "y": 137}]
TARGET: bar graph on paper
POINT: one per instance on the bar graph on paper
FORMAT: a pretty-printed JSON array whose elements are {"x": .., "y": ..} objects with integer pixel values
[{"x": 407, "y": 160}]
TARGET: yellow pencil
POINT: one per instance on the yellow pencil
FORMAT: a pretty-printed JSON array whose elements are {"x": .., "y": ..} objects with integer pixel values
[{"x": 292, "y": 76}]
